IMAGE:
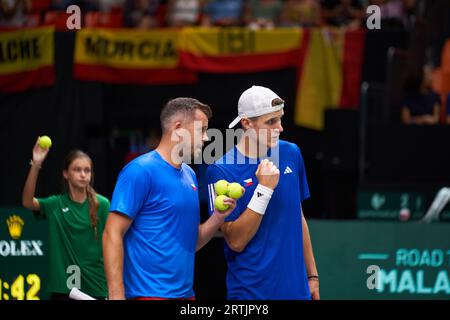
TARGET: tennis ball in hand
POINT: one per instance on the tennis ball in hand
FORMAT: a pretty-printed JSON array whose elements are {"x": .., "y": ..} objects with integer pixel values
[
  {"x": 235, "y": 190},
  {"x": 219, "y": 205},
  {"x": 221, "y": 187},
  {"x": 45, "y": 142}
]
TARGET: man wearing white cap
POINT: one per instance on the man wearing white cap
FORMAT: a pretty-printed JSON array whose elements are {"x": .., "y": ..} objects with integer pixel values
[{"x": 267, "y": 244}]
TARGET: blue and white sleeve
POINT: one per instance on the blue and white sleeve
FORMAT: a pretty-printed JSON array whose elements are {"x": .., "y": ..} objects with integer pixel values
[{"x": 212, "y": 176}]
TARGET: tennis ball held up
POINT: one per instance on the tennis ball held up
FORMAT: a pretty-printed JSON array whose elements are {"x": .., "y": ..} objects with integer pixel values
[
  {"x": 45, "y": 142},
  {"x": 235, "y": 190},
  {"x": 219, "y": 205},
  {"x": 221, "y": 187}
]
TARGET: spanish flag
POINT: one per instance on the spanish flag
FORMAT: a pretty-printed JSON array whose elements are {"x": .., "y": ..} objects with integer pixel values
[
  {"x": 329, "y": 74},
  {"x": 129, "y": 56},
  {"x": 239, "y": 50},
  {"x": 26, "y": 59}
]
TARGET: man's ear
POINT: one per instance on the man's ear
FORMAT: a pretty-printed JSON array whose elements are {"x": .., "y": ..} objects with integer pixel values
[
  {"x": 246, "y": 123},
  {"x": 176, "y": 134},
  {"x": 177, "y": 125}
]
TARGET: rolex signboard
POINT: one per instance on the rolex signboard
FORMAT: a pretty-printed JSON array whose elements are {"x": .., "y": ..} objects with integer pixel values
[{"x": 23, "y": 255}]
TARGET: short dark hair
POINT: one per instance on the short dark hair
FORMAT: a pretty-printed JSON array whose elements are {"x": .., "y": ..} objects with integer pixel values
[
  {"x": 182, "y": 105},
  {"x": 277, "y": 102}
]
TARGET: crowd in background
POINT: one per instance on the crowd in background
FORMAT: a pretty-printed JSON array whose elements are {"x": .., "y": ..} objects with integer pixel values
[
  {"x": 420, "y": 106},
  {"x": 179, "y": 13}
]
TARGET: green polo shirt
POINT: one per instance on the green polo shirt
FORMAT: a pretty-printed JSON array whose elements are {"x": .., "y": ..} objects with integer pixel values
[{"x": 72, "y": 244}]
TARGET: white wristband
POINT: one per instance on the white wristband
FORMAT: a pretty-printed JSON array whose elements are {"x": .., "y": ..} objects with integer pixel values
[{"x": 260, "y": 199}]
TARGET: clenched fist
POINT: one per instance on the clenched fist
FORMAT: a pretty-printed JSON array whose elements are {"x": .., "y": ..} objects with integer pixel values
[{"x": 268, "y": 174}]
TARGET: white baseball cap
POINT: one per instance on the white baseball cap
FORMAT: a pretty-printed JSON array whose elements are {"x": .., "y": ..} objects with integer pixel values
[{"x": 254, "y": 102}]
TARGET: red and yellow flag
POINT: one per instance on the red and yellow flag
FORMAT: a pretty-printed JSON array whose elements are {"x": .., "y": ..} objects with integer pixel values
[
  {"x": 238, "y": 50},
  {"x": 129, "y": 56},
  {"x": 329, "y": 75},
  {"x": 26, "y": 59}
]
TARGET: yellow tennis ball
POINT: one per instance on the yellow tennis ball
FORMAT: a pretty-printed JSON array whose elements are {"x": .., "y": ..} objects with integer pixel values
[
  {"x": 45, "y": 142},
  {"x": 219, "y": 205},
  {"x": 221, "y": 187},
  {"x": 235, "y": 190}
]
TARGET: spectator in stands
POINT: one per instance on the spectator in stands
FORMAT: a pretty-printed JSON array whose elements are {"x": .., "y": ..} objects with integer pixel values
[
  {"x": 343, "y": 13},
  {"x": 110, "y": 5},
  {"x": 223, "y": 13},
  {"x": 397, "y": 12},
  {"x": 141, "y": 13},
  {"x": 110, "y": 14},
  {"x": 263, "y": 13},
  {"x": 13, "y": 13},
  {"x": 421, "y": 105},
  {"x": 85, "y": 5},
  {"x": 304, "y": 13},
  {"x": 182, "y": 13}
]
